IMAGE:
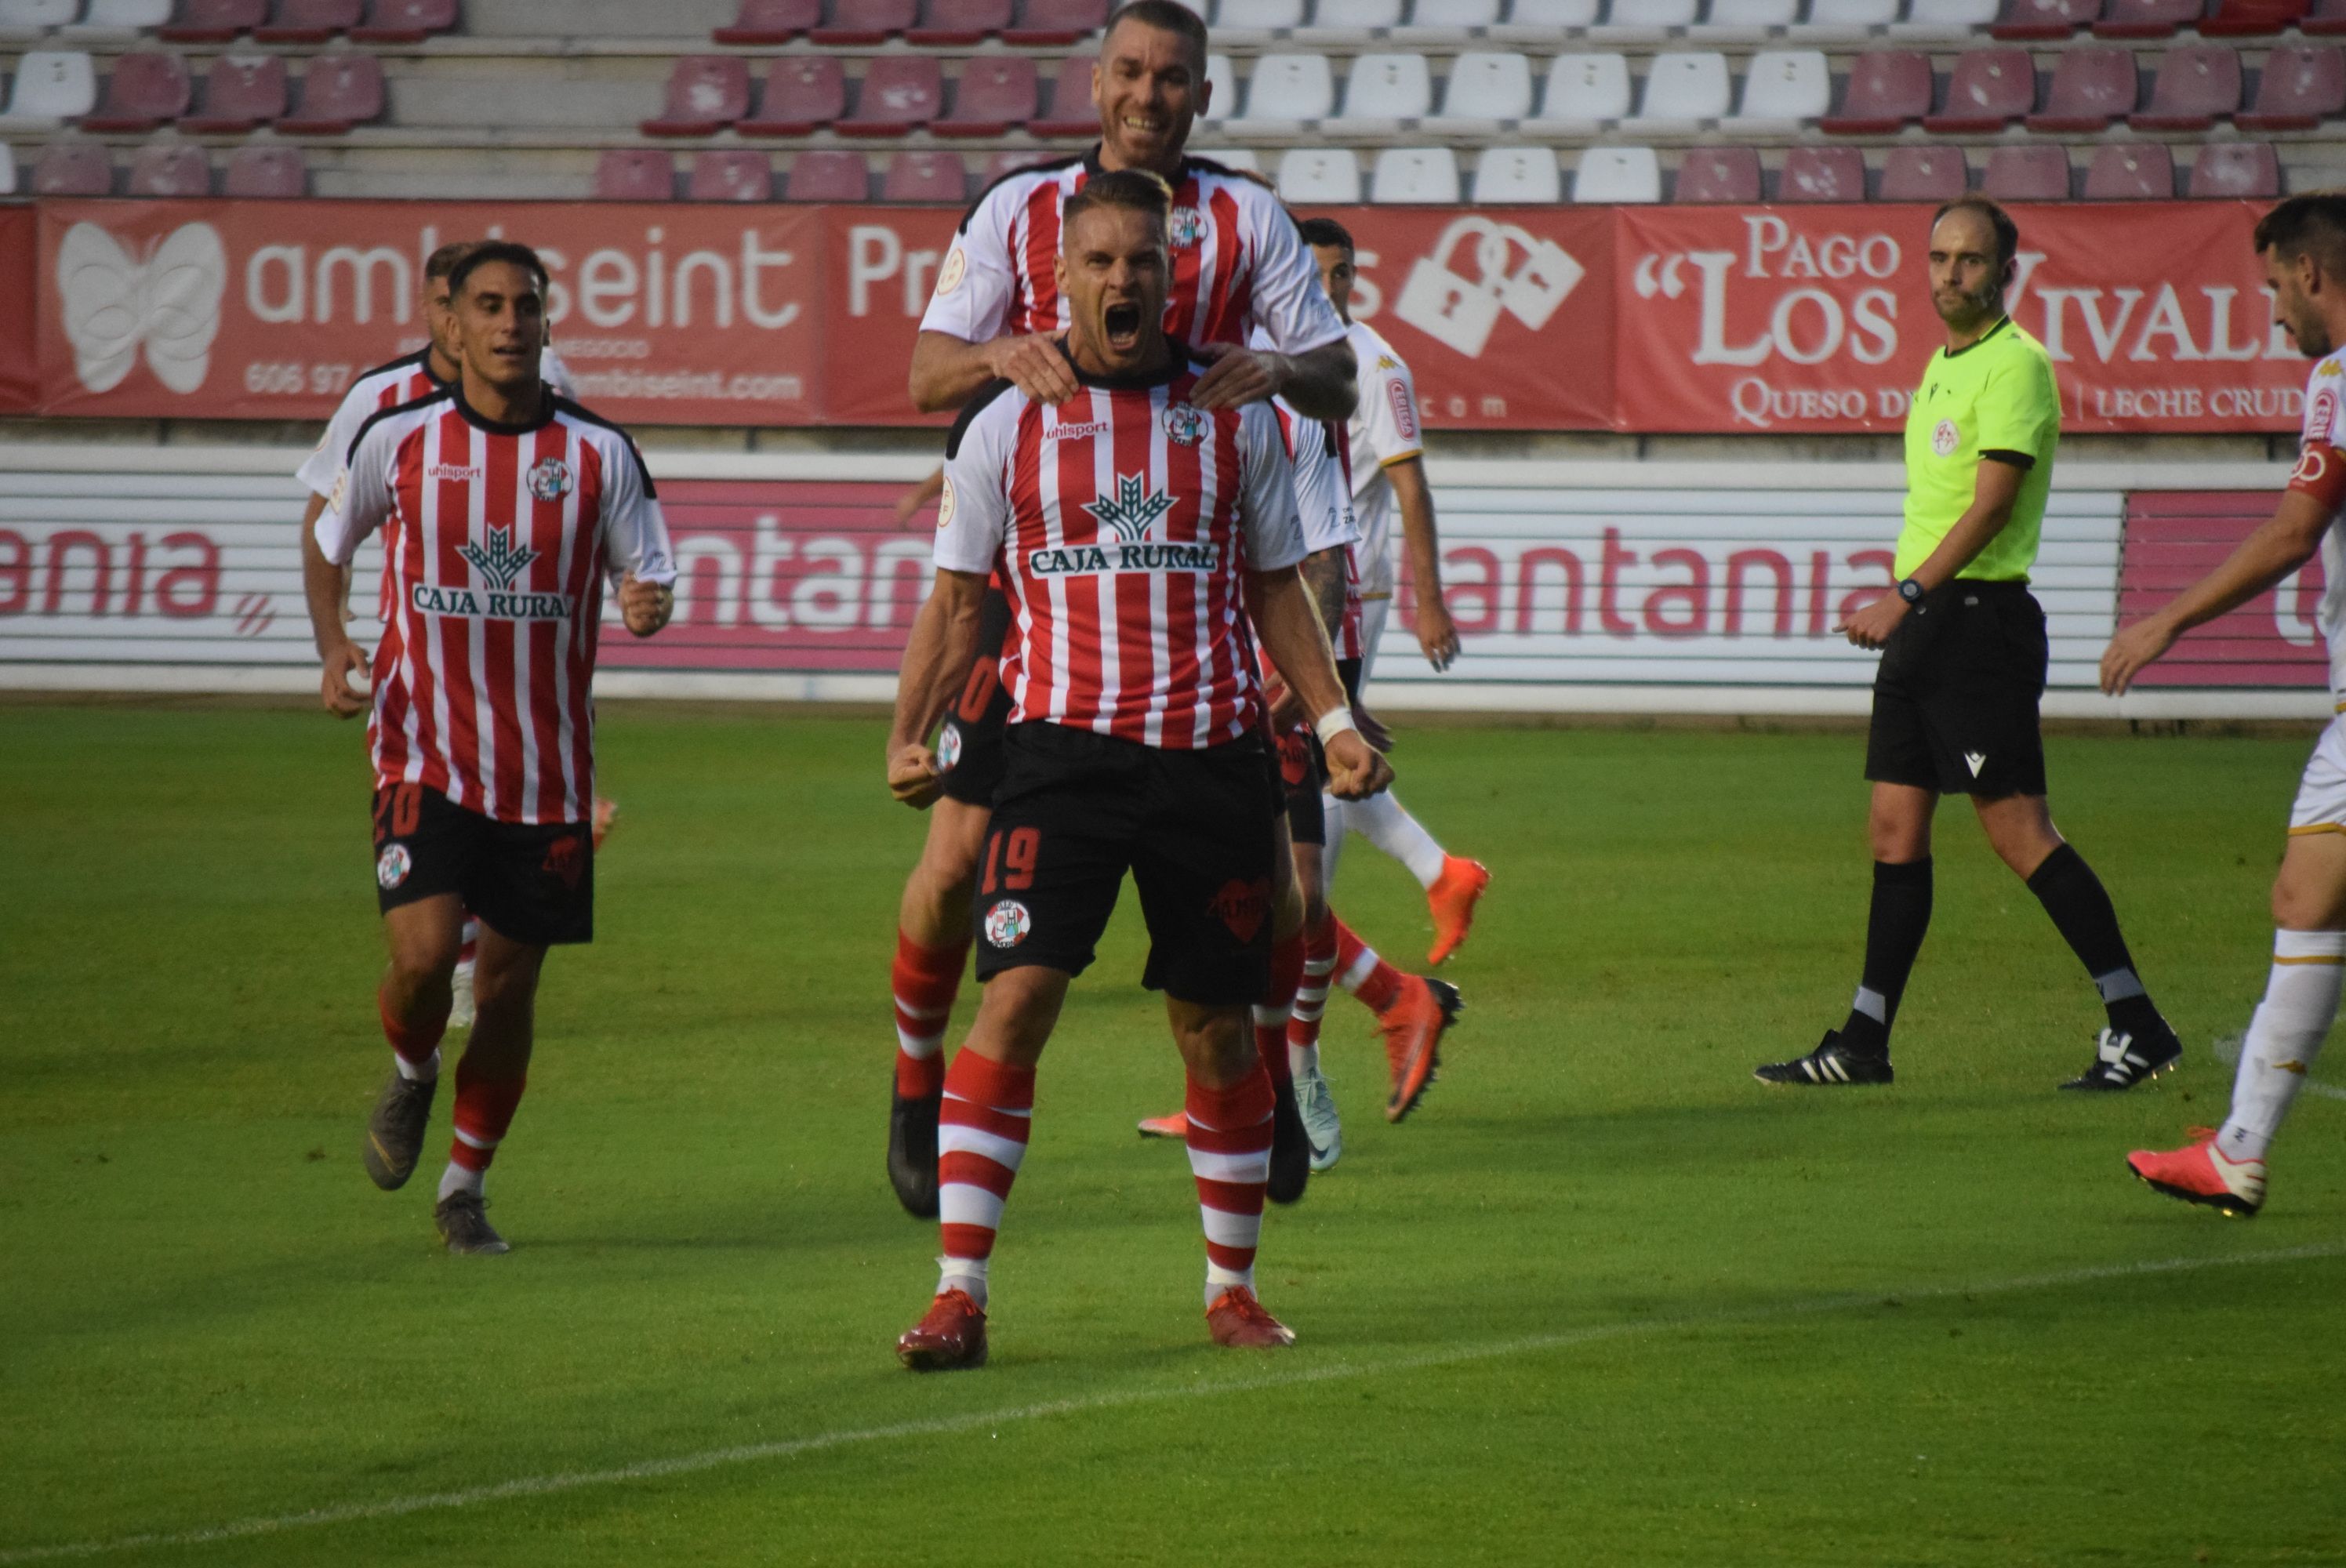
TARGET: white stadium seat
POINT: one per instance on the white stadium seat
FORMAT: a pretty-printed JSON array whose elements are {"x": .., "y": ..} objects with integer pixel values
[
  {"x": 1645, "y": 20},
  {"x": 1236, "y": 157},
  {"x": 1784, "y": 87},
  {"x": 1415, "y": 175},
  {"x": 1626, "y": 174},
  {"x": 29, "y": 18},
  {"x": 8, "y": 170},
  {"x": 1319, "y": 174},
  {"x": 1285, "y": 88},
  {"x": 1356, "y": 16},
  {"x": 1682, "y": 88},
  {"x": 1553, "y": 13},
  {"x": 1224, "y": 76},
  {"x": 1484, "y": 89},
  {"x": 1747, "y": 16},
  {"x": 1585, "y": 90},
  {"x": 1517, "y": 175},
  {"x": 1947, "y": 18},
  {"x": 1851, "y": 16},
  {"x": 120, "y": 18},
  {"x": 51, "y": 84},
  {"x": 1260, "y": 16},
  {"x": 1387, "y": 88},
  {"x": 1455, "y": 13}
]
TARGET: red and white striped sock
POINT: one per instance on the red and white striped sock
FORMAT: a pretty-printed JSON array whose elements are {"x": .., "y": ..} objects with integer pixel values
[
  {"x": 484, "y": 1109},
  {"x": 981, "y": 1139},
  {"x": 1278, "y": 1004},
  {"x": 1230, "y": 1156},
  {"x": 925, "y": 980},
  {"x": 1312, "y": 996},
  {"x": 1360, "y": 971},
  {"x": 414, "y": 1049}
]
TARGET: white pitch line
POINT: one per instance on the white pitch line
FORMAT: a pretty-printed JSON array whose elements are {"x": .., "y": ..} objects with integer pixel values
[
  {"x": 746, "y": 1453},
  {"x": 2227, "y": 1049}
]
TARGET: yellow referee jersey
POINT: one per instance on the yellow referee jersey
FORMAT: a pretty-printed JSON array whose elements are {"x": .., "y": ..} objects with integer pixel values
[{"x": 1996, "y": 395}]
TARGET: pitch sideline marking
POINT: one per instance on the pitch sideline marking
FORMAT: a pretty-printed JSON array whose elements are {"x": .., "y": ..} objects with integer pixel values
[
  {"x": 2227, "y": 1049},
  {"x": 745, "y": 1453}
]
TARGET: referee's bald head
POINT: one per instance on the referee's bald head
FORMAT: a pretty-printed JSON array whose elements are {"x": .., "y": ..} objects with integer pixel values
[{"x": 2313, "y": 224}]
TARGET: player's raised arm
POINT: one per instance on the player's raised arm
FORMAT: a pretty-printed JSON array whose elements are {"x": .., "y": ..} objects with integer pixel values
[{"x": 1308, "y": 360}]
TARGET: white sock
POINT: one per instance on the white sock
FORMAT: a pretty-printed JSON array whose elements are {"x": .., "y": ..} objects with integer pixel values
[
  {"x": 1382, "y": 821},
  {"x": 1219, "y": 1279},
  {"x": 425, "y": 1073},
  {"x": 2284, "y": 1038},
  {"x": 964, "y": 1273},
  {"x": 456, "y": 1180}
]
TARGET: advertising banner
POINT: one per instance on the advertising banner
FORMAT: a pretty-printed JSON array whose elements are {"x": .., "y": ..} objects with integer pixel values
[
  {"x": 2174, "y": 539},
  {"x": 1791, "y": 319},
  {"x": 20, "y": 371}
]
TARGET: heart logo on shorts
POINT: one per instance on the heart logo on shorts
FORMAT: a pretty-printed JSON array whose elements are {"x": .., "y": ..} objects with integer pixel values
[{"x": 1242, "y": 906}]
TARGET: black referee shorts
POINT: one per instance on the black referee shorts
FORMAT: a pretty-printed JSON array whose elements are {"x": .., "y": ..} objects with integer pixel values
[
  {"x": 1955, "y": 700},
  {"x": 969, "y": 747},
  {"x": 1077, "y": 810}
]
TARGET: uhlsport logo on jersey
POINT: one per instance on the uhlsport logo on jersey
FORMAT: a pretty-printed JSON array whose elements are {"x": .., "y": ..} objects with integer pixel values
[
  {"x": 550, "y": 480},
  {"x": 391, "y": 867},
  {"x": 1007, "y": 923},
  {"x": 500, "y": 563},
  {"x": 1128, "y": 515}
]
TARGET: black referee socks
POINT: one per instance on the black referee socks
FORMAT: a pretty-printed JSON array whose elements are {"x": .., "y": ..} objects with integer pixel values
[
  {"x": 2082, "y": 911},
  {"x": 1894, "y": 924}
]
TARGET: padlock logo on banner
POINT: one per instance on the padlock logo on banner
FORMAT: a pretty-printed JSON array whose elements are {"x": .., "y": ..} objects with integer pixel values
[{"x": 1441, "y": 301}]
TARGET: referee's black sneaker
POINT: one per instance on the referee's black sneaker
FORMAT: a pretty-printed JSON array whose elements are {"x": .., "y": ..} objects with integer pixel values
[
  {"x": 2123, "y": 1059},
  {"x": 913, "y": 1152},
  {"x": 1831, "y": 1063}
]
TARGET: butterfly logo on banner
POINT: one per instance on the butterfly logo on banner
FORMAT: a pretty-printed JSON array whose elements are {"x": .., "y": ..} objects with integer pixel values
[
  {"x": 169, "y": 302},
  {"x": 1440, "y": 300}
]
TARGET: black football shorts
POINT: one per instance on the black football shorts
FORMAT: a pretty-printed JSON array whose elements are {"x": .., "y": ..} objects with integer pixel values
[
  {"x": 532, "y": 883},
  {"x": 1077, "y": 810},
  {"x": 1955, "y": 699},
  {"x": 1302, "y": 772},
  {"x": 969, "y": 746}
]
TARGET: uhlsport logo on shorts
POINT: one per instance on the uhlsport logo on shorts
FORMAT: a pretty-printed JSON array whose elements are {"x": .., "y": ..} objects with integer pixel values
[
  {"x": 550, "y": 480},
  {"x": 391, "y": 867},
  {"x": 1007, "y": 923},
  {"x": 949, "y": 747},
  {"x": 1946, "y": 438}
]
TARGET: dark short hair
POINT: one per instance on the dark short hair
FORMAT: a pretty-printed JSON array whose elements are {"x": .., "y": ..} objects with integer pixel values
[
  {"x": 2313, "y": 224},
  {"x": 1134, "y": 190},
  {"x": 1166, "y": 16},
  {"x": 1327, "y": 233},
  {"x": 489, "y": 250},
  {"x": 442, "y": 261},
  {"x": 2007, "y": 232}
]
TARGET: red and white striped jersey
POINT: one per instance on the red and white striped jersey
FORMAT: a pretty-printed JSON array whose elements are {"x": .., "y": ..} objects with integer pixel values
[
  {"x": 497, "y": 542},
  {"x": 1123, "y": 523},
  {"x": 404, "y": 379},
  {"x": 1237, "y": 261},
  {"x": 1319, "y": 451}
]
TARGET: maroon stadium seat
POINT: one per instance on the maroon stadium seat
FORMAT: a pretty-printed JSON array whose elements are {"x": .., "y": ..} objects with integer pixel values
[
  {"x": 2326, "y": 18},
  {"x": 929, "y": 177},
  {"x": 147, "y": 90},
  {"x": 308, "y": 21},
  {"x": 267, "y": 173},
  {"x": 2244, "y": 18},
  {"x": 803, "y": 94},
  {"x": 2145, "y": 18},
  {"x": 705, "y": 93},
  {"x": 2139, "y": 171},
  {"x": 1054, "y": 24},
  {"x": 2303, "y": 85},
  {"x": 1988, "y": 89},
  {"x": 213, "y": 21},
  {"x": 1823, "y": 174},
  {"x": 865, "y": 21},
  {"x": 2027, "y": 174},
  {"x": 405, "y": 21},
  {"x": 731, "y": 174},
  {"x": 2197, "y": 85},
  {"x": 634, "y": 174},
  {"x": 241, "y": 93},
  {"x": 959, "y": 21},
  {"x": 72, "y": 168},
  {"x": 1010, "y": 162},
  {"x": 829, "y": 176},
  {"x": 994, "y": 94},
  {"x": 1885, "y": 89},
  {"x": 899, "y": 94},
  {"x": 770, "y": 21},
  {"x": 1925, "y": 174},
  {"x": 1718, "y": 175},
  {"x": 2247, "y": 170},
  {"x": 1072, "y": 112},
  {"x": 338, "y": 91},
  {"x": 2045, "y": 18},
  {"x": 170, "y": 169},
  {"x": 2091, "y": 87}
]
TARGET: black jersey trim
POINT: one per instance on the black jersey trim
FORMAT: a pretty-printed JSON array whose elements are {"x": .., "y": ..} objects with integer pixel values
[
  {"x": 1179, "y": 362},
  {"x": 2001, "y": 324},
  {"x": 420, "y": 359},
  {"x": 376, "y": 417},
  {"x": 2020, "y": 460},
  {"x": 1040, "y": 165},
  {"x": 977, "y": 405},
  {"x": 589, "y": 416}
]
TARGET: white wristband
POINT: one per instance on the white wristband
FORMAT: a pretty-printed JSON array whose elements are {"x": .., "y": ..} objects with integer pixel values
[{"x": 1334, "y": 723}]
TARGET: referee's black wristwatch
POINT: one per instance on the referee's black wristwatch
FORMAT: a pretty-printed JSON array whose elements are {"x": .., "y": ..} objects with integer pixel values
[{"x": 1911, "y": 591}]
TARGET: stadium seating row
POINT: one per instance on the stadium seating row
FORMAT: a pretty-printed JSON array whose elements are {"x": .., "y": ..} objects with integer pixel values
[
  {"x": 221, "y": 20},
  {"x": 241, "y": 93},
  {"x": 162, "y": 170}
]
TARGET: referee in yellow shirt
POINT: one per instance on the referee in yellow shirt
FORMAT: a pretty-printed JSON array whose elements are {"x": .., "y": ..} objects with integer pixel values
[{"x": 1963, "y": 668}]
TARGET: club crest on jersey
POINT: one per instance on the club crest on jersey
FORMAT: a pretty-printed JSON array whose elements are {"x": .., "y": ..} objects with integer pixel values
[
  {"x": 1007, "y": 923},
  {"x": 1185, "y": 228},
  {"x": 1184, "y": 425},
  {"x": 1946, "y": 438},
  {"x": 391, "y": 867},
  {"x": 550, "y": 480},
  {"x": 1133, "y": 511}
]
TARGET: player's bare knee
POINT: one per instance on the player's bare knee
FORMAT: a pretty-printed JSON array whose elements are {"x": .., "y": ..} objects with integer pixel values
[
  {"x": 421, "y": 960},
  {"x": 1215, "y": 1046}
]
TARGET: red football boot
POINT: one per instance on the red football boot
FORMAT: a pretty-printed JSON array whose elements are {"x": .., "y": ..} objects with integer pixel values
[
  {"x": 1176, "y": 1125},
  {"x": 951, "y": 1336},
  {"x": 1414, "y": 1027},
  {"x": 1452, "y": 899},
  {"x": 2199, "y": 1172},
  {"x": 1243, "y": 1323}
]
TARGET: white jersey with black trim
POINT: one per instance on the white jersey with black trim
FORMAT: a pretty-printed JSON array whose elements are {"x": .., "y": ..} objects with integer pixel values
[
  {"x": 1384, "y": 431},
  {"x": 2325, "y": 436}
]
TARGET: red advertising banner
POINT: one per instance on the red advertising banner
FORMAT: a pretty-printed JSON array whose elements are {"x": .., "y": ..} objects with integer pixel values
[
  {"x": 20, "y": 378},
  {"x": 881, "y": 265},
  {"x": 2172, "y": 541},
  {"x": 1811, "y": 319}
]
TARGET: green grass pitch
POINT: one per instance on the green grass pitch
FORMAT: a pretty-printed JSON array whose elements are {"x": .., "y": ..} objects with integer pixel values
[{"x": 1604, "y": 1300}]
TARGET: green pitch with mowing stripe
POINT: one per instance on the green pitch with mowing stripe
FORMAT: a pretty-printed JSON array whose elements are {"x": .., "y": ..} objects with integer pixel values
[{"x": 1604, "y": 1299}]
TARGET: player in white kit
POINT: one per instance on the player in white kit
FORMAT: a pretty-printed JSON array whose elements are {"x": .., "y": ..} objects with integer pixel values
[{"x": 2302, "y": 242}]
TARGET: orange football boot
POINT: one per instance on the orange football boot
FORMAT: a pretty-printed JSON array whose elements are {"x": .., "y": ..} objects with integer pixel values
[
  {"x": 1176, "y": 1125},
  {"x": 950, "y": 1336},
  {"x": 2199, "y": 1172},
  {"x": 1243, "y": 1323},
  {"x": 1414, "y": 1027},
  {"x": 1452, "y": 898}
]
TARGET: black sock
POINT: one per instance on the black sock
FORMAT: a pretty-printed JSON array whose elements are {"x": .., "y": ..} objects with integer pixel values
[
  {"x": 2081, "y": 910},
  {"x": 1894, "y": 924}
]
